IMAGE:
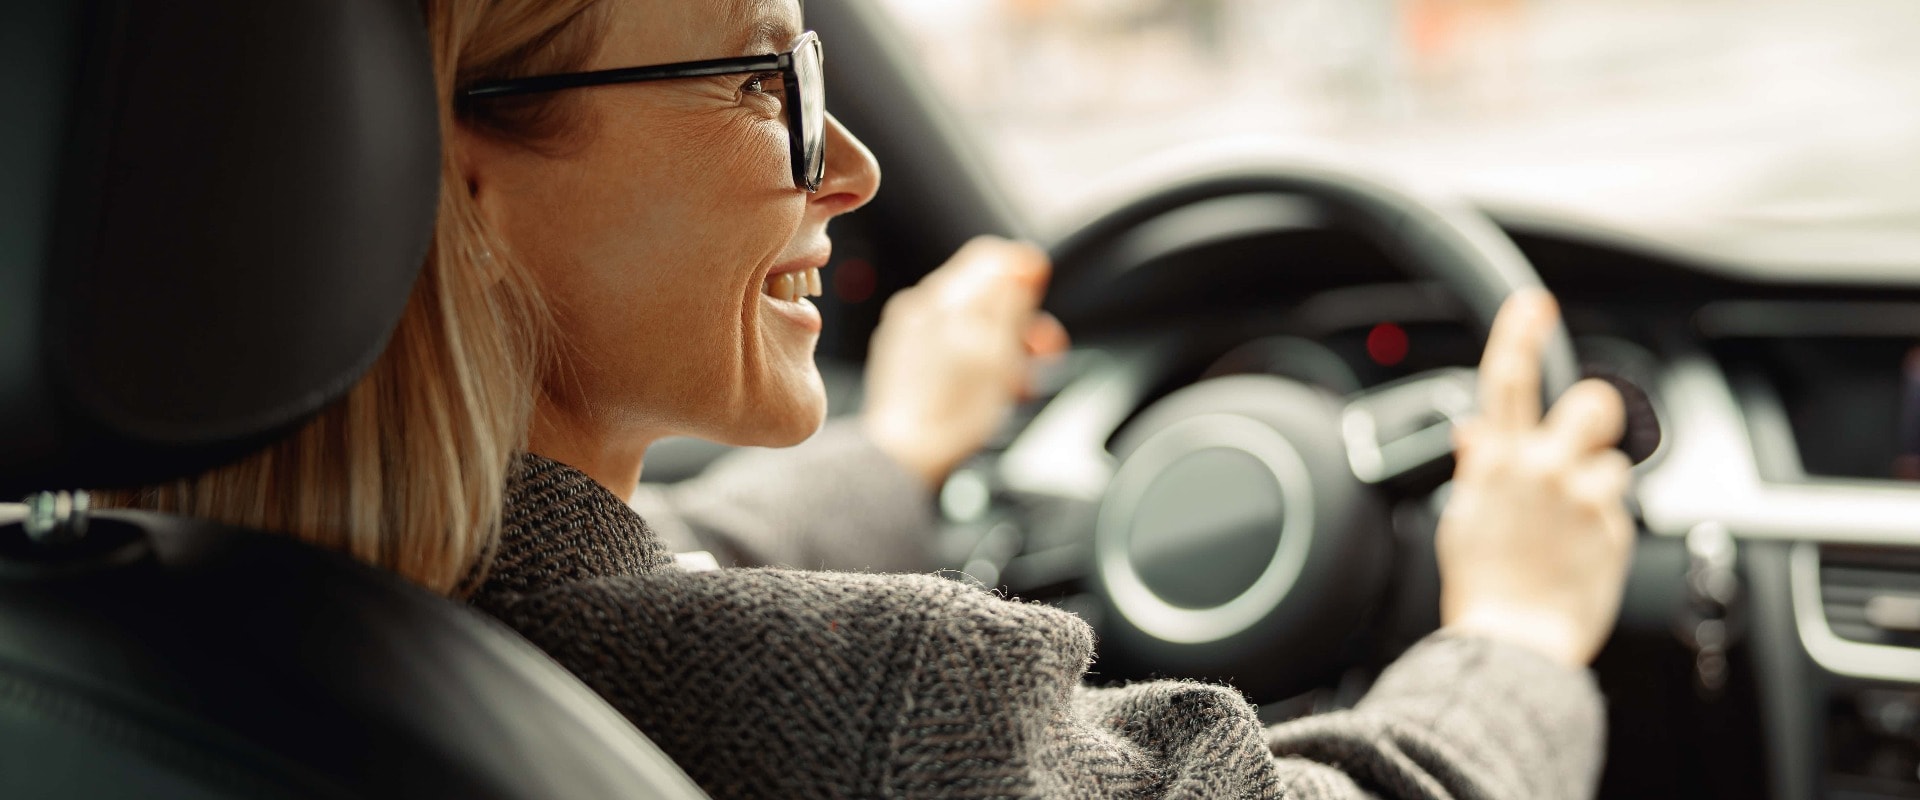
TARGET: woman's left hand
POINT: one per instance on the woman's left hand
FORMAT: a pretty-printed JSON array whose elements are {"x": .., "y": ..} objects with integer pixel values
[{"x": 952, "y": 355}]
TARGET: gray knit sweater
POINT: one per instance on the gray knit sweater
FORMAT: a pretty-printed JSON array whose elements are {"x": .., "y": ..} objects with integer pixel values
[{"x": 773, "y": 683}]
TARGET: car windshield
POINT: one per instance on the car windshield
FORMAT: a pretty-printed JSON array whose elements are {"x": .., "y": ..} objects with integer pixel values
[{"x": 1775, "y": 131}]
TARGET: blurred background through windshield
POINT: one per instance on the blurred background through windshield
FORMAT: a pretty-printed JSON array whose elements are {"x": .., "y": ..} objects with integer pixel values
[{"x": 1781, "y": 131}]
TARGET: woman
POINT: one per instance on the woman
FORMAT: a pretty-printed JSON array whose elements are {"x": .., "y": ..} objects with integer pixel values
[{"x": 622, "y": 262}]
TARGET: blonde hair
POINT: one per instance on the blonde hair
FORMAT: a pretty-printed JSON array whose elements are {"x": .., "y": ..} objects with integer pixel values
[{"x": 407, "y": 471}]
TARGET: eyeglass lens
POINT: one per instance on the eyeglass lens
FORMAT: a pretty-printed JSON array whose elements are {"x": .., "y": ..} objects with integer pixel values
[{"x": 807, "y": 63}]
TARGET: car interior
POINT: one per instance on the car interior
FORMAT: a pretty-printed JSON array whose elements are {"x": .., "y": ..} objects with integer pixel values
[{"x": 212, "y": 211}]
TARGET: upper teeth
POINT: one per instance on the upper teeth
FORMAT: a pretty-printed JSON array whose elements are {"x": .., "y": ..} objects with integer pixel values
[{"x": 791, "y": 286}]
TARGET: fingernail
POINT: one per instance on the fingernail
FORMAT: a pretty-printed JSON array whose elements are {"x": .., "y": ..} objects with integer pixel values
[
  {"x": 1026, "y": 268},
  {"x": 1535, "y": 306}
]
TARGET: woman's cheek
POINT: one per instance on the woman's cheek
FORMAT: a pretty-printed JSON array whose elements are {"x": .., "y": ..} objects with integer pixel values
[{"x": 753, "y": 151}]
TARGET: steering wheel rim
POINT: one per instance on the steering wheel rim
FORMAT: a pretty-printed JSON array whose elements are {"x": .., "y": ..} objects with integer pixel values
[
  {"x": 1439, "y": 238},
  {"x": 1429, "y": 237}
]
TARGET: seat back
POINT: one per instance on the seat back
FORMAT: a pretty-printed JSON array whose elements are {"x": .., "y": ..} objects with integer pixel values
[
  {"x": 170, "y": 658},
  {"x": 211, "y": 215}
]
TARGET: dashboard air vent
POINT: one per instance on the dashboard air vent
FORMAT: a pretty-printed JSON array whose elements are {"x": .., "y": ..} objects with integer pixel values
[{"x": 1872, "y": 595}]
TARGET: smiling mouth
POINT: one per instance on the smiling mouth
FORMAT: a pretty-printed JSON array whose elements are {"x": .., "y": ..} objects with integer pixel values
[{"x": 791, "y": 286}]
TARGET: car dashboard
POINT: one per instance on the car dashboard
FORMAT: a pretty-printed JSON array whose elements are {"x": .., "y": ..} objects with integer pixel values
[{"x": 1777, "y": 417}]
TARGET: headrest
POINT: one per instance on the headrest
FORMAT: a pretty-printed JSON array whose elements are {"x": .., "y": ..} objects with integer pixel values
[{"x": 211, "y": 215}]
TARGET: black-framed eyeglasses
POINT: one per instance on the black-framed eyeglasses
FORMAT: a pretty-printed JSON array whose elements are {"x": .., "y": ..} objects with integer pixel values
[{"x": 800, "y": 73}]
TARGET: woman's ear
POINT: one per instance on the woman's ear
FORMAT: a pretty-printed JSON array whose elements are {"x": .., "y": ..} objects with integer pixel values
[
  {"x": 479, "y": 161},
  {"x": 478, "y": 158}
]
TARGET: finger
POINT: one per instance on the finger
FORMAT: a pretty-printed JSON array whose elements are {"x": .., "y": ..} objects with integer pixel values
[
  {"x": 1031, "y": 265},
  {"x": 1482, "y": 454},
  {"x": 1510, "y": 370},
  {"x": 1603, "y": 485},
  {"x": 1046, "y": 342},
  {"x": 967, "y": 258},
  {"x": 997, "y": 258},
  {"x": 1046, "y": 337},
  {"x": 1590, "y": 416},
  {"x": 1601, "y": 482},
  {"x": 1018, "y": 280},
  {"x": 1465, "y": 433},
  {"x": 1001, "y": 279}
]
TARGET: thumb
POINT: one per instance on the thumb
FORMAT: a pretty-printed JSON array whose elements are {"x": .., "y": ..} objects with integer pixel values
[{"x": 1046, "y": 337}]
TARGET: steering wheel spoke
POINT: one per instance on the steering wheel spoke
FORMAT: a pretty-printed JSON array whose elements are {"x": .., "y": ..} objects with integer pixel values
[{"x": 1406, "y": 427}]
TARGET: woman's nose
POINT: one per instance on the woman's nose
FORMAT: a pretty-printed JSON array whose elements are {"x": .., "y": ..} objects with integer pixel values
[{"x": 852, "y": 175}]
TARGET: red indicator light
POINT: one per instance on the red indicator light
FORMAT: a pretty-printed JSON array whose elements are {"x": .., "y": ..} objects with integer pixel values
[{"x": 1387, "y": 344}]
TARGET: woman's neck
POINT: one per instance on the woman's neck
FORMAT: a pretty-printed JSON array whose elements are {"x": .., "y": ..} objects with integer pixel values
[{"x": 612, "y": 458}]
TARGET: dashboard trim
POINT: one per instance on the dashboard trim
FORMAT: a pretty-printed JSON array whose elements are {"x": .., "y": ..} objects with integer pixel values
[{"x": 1773, "y": 319}]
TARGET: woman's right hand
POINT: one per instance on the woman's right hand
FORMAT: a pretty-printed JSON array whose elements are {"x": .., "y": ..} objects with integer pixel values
[
  {"x": 953, "y": 355},
  {"x": 1535, "y": 542}
]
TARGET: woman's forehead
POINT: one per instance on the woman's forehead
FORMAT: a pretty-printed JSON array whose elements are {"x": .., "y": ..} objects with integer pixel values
[
  {"x": 761, "y": 24},
  {"x": 662, "y": 31}
]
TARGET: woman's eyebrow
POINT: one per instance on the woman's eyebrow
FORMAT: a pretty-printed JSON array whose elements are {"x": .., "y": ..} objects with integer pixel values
[{"x": 769, "y": 28}]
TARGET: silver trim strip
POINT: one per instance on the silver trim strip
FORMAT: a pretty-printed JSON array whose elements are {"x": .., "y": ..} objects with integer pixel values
[
  {"x": 1448, "y": 393},
  {"x": 1710, "y": 475},
  {"x": 1837, "y": 655}
]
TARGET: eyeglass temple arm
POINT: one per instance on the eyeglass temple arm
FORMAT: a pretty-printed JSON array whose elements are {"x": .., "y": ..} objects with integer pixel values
[{"x": 575, "y": 80}]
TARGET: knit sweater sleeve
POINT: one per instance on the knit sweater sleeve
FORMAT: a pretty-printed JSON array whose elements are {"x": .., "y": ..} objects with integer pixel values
[
  {"x": 789, "y": 507},
  {"x": 1459, "y": 717},
  {"x": 770, "y": 683},
  {"x": 1454, "y": 719},
  {"x": 781, "y": 684}
]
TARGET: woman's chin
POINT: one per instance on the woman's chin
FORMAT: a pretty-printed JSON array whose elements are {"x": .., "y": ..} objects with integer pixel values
[
  {"x": 788, "y": 432},
  {"x": 784, "y": 421}
]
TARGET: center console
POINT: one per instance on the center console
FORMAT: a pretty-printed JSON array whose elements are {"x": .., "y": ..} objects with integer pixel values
[{"x": 1800, "y": 433}]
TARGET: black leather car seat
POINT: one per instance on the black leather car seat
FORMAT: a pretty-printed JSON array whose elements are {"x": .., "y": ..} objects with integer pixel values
[{"x": 211, "y": 214}]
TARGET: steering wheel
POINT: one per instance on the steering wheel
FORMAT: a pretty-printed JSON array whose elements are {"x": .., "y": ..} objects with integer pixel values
[{"x": 1243, "y": 530}]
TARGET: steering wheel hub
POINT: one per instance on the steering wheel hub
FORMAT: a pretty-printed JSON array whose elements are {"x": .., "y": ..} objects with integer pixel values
[
  {"x": 1235, "y": 542},
  {"x": 1206, "y": 527}
]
